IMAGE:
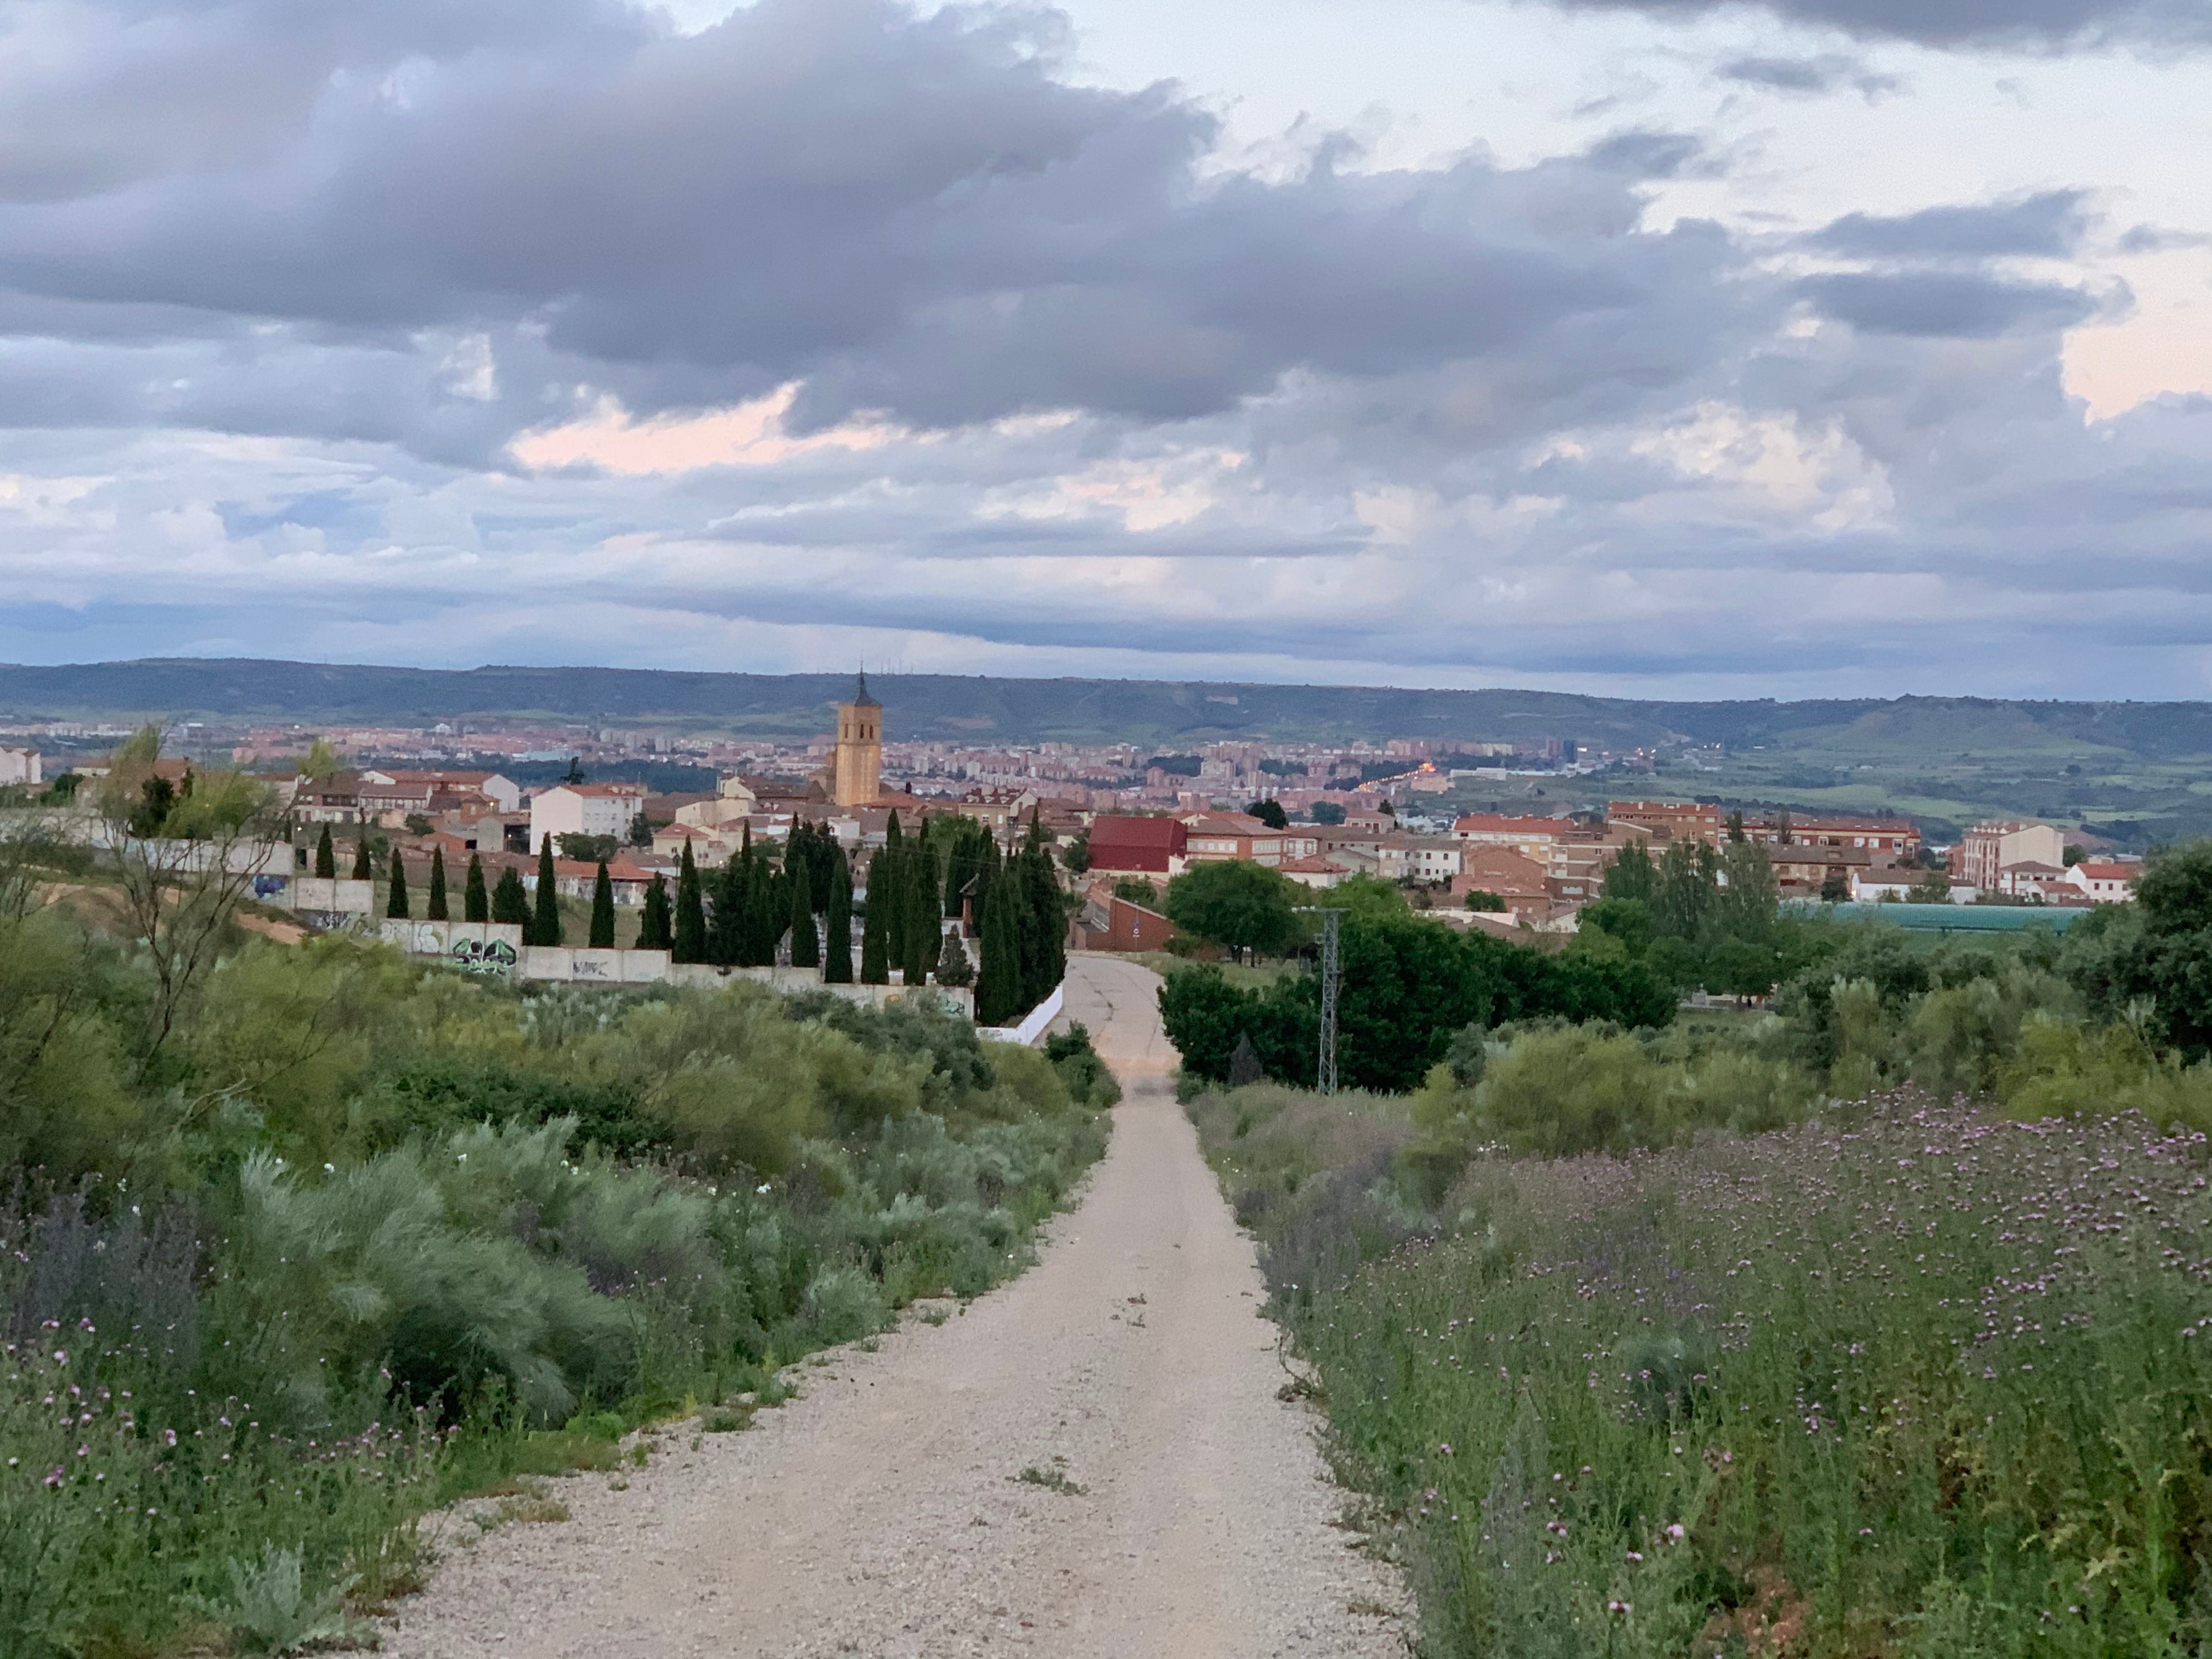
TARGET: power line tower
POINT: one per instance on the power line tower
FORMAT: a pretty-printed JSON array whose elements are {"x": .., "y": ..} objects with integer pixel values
[{"x": 1331, "y": 920}]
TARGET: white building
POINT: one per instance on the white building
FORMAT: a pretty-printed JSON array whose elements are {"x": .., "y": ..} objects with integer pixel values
[
  {"x": 584, "y": 809},
  {"x": 19, "y": 765},
  {"x": 2106, "y": 881}
]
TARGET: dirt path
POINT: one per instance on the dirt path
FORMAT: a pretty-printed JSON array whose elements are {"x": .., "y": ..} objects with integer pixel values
[{"x": 880, "y": 1514}]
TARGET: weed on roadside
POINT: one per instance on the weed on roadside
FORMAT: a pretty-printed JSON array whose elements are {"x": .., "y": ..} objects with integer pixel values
[{"x": 1052, "y": 1480}]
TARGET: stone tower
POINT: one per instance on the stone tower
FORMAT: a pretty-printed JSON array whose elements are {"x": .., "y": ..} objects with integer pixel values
[{"x": 856, "y": 772}]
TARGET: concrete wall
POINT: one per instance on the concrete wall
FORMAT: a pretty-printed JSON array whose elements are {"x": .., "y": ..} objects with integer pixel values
[{"x": 1033, "y": 1023}]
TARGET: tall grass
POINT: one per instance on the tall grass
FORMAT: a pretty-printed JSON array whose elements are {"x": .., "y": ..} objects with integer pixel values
[{"x": 1929, "y": 1383}]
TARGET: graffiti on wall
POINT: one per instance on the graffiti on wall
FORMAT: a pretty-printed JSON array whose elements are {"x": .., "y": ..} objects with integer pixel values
[{"x": 474, "y": 956}]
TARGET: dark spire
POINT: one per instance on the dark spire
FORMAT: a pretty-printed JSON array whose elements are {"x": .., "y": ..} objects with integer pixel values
[{"x": 860, "y": 697}]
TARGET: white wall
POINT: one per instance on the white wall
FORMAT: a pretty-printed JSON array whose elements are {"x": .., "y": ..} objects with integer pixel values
[{"x": 19, "y": 765}]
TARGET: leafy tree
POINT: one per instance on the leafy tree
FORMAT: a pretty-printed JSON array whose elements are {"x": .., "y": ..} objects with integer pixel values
[
  {"x": 510, "y": 903},
  {"x": 1933, "y": 888},
  {"x": 1628, "y": 921},
  {"x": 587, "y": 849},
  {"x": 396, "y": 900},
  {"x": 1631, "y": 875},
  {"x": 837, "y": 923},
  {"x": 602, "y": 935},
  {"x": 545, "y": 923},
  {"x": 1076, "y": 855},
  {"x": 1243, "y": 906},
  {"x": 1835, "y": 886},
  {"x": 688, "y": 942},
  {"x": 2151, "y": 962},
  {"x": 654, "y": 930},
  {"x": 327, "y": 858},
  {"x": 1747, "y": 907},
  {"x": 1735, "y": 826},
  {"x": 476, "y": 903},
  {"x": 1135, "y": 889},
  {"x": 435, "y": 909},
  {"x": 1686, "y": 893},
  {"x": 640, "y": 831},
  {"x": 1328, "y": 811},
  {"x": 321, "y": 763},
  {"x": 805, "y": 943},
  {"x": 363, "y": 869},
  {"x": 1271, "y": 813},
  {"x": 1478, "y": 900}
]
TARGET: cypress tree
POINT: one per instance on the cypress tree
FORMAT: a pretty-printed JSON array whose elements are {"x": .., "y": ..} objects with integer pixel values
[
  {"x": 362, "y": 870},
  {"x": 875, "y": 954},
  {"x": 806, "y": 945},
  {"x": 924, "y": 931},
  {"x": 999, "y": 989},
  {"x": 327, "y": 858},
  {"x": 653, "y": 930},
  {"x": 887, "y": 893},
  {"x": 545, "y": 925},
  {"x": 396, "y": 905},
  {"x": 476, "y": 903},
  {"x": 1045, "y": 953},
  {"x": 689, "y": 941},
  {"x": 436, "y": 909},
  {"x": 726, "y": 929},
  {"x": 510, "y": 905},
  {"x": 771, "y": 915},
  {"x": 838, "y": 952},
  {"x": 602, "y": 910}
]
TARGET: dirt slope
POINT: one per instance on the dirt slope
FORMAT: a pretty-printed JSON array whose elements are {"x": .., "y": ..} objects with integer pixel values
[{"x": 880, "y": 1514}]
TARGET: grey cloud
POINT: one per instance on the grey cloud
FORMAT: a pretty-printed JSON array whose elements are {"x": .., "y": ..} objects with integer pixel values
[
  {"x": 2157, "y": 238},
  {"x": 96, "y": 95},
  {"x": 2051, "y": 223},
  {"x": 2025, "y": 25},
  {"x": 909, "y": 214},
  {"x": 1942, "y": 303},
  {"x": 1813, "y": 76}
]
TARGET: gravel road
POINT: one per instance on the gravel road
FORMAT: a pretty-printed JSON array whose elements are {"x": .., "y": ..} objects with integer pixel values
[{"x": 881, "y": 1513}]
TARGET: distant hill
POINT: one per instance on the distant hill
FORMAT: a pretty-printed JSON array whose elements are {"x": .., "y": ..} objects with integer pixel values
[{"x": 981, "y": 709}]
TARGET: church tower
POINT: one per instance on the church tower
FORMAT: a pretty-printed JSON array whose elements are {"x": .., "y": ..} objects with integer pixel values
[{"x": 856, "y": 772}]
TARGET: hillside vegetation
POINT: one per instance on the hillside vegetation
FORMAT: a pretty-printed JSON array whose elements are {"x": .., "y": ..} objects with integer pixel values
[
  {"x": 347, "y": 1237},
  {"x": 1874, "y": 1325}
]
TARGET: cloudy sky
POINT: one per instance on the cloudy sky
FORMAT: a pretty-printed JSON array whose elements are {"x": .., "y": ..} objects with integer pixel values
[{"x": 1815, "y": 347}]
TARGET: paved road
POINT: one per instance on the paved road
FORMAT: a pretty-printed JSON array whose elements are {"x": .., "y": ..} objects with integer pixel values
[{"x": 880, "y": 1514}]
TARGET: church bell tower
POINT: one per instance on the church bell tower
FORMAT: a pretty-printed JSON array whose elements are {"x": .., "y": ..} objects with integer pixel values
[{"x": 856, "y": 777}]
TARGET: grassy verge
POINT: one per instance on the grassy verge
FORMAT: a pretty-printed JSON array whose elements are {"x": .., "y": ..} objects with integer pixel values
[{"x": 1922, "y": 1382}]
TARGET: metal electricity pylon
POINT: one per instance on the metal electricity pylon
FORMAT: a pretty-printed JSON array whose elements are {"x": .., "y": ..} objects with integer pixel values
[{"x": 1325, "y": 1078}]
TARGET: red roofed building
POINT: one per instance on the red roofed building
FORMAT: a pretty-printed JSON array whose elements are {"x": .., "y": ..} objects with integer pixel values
[
  {"x": 1138, "y": 845},
  {"x": 2106, "y": 881}
]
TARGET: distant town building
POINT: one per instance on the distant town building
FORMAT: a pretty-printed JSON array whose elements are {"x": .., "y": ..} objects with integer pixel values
[
  {"x": 1530, "y": 836},
  {"x": 1990, "y": 849},
  {"x": 19, "y": 765},
  {"x": 2105, "y": 881},
  {"x": 1137, "y": 846},
  {"x": 584, "y": 809},
  {"x": 1669, "y": 820}
]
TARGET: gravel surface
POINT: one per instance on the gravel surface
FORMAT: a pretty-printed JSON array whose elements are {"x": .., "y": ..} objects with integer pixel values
[{"x": 885, "y": 1512}]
